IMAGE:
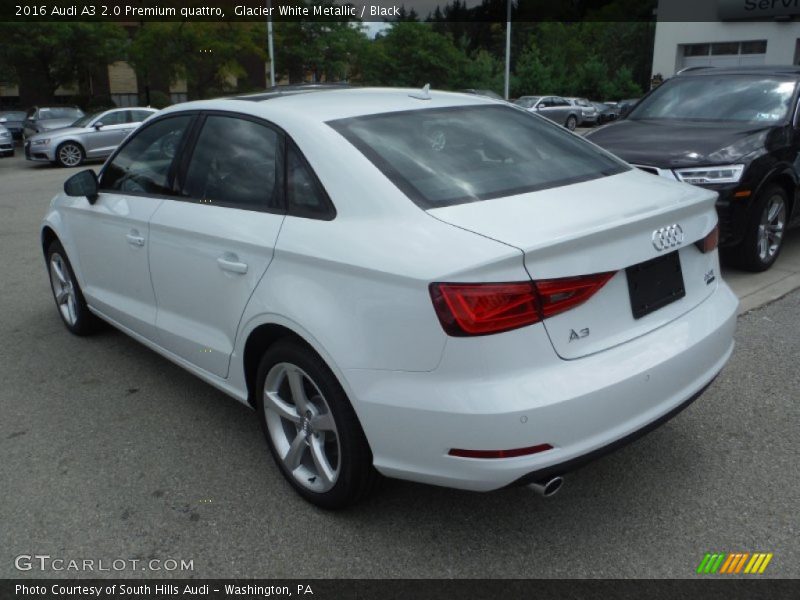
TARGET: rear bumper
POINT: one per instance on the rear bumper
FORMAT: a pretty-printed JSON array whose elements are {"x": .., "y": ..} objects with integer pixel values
[{"x": 583, "y": 407}]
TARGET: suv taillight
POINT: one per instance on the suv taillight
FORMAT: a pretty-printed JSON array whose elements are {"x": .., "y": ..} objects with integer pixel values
[{"x": 467, "y": 309}]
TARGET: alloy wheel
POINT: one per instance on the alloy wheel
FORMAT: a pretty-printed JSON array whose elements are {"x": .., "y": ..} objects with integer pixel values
[
  {"x": 301, "y": 427},
  {"x": 70, "y": 155},
  {"x": 771, "y": 228},
  {"x": 63, "y": 289}
]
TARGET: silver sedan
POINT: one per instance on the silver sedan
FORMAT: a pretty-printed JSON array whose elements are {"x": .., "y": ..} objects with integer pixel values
[{"x": 94, "y": 136}]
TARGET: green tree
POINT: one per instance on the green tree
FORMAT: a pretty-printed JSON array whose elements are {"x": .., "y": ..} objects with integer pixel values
[
  {"x": 328, "y": 50},
  {"x": 208, "y": 55},
  {"x": 42, "y": 57},
  {"x": 412, "y": 54}
]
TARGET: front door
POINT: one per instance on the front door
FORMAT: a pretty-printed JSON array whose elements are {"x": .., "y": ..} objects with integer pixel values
[
  {"x": 112, "y": 235},
  {"x": 107, "y": 132}
]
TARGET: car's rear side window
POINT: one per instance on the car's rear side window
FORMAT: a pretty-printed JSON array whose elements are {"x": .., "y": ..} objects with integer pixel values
[{"x": 446, "y": 156}]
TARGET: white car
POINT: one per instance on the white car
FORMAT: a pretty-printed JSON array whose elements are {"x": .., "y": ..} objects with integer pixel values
[{"x": 432, "y": 286}]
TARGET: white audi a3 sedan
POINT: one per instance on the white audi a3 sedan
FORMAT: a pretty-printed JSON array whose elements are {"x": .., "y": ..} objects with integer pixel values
[{"x": 430, "y": 286}]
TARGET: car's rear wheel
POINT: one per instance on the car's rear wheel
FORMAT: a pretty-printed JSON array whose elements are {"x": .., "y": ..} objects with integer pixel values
[
  {"x": 311, "y": 428},
  {"x": 572, "y": 122},
  {"x": 67, "y": 293},
  {"x": 69, "y": 154},
  {"x": 765, "y": 230}
]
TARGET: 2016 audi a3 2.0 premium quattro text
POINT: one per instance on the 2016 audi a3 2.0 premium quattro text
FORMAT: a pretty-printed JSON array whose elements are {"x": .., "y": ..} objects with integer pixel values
[{"x": 430, "y": 286}]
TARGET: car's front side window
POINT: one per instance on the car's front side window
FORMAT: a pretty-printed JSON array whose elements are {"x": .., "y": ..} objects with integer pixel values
[
  {"x": 112, "y": 118},
  {"x": 143, "y": 164},
  {"x": 235, "y": 163}
]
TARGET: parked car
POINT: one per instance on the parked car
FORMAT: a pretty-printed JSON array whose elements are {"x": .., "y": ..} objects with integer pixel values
[
  {"x": 487, "y": 93},
  {"x": 432, "y": 286},
  {"x": 626, "y": 106},
  {"x": 588, "y": 116},
  {"x": 605, "y": 113},
  {"x": 90, "y": 137},
  {"x": 554, "y": 108},
  {"x": 13, "y": 121},
  {"x": 45, "y": 118},
  {"x": 6, "y": 143},
  {"x": 731, "y": 130}
]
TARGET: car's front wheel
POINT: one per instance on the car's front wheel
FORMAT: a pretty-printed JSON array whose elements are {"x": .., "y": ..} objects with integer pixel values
[
  {"x": 69, "y": 154},
  {"x": 763, "y": 238},
  {"x": 67, "y": 293},
  {"x": 311, "y": 428}
]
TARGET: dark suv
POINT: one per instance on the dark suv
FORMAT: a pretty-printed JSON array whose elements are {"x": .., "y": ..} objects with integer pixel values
[{"x": 733, "y": 130}]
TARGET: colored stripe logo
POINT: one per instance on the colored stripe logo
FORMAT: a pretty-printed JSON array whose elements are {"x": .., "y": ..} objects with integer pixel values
[{"x": 734, "y": 563}]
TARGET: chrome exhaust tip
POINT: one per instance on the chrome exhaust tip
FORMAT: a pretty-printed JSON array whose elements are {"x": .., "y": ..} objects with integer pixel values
[{"x": 547, "y": 487}]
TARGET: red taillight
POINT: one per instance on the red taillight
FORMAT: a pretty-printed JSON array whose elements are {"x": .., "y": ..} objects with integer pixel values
[
  {"x": 500, "y": 453},
  {"x": 466, "y": 309},
  {"x": 559, "y": 295},
  {"x": 710, "y": 242},
  {"x": 483, "y": 308}
]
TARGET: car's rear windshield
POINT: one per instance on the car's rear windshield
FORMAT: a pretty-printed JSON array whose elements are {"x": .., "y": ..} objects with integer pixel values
[
  {"x": 446, "y": 156},
  {"x": 737, "y": 98}
]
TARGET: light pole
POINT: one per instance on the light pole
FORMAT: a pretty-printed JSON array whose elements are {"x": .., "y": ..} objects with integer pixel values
[
  {"x": 508, "y": 47},
  {"x": 270, "y": 46}
]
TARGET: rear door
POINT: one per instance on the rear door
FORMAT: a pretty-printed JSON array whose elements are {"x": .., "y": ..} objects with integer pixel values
[{"x": 210, "y": 247}]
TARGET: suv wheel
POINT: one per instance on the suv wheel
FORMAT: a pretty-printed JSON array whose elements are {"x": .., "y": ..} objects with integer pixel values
[
  {"x": 311, "y": 428},
  {"x": 763, "y": 238}
]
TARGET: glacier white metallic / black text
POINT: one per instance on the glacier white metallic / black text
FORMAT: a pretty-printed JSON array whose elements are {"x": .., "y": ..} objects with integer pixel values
[{"x": 431, "y": 286}]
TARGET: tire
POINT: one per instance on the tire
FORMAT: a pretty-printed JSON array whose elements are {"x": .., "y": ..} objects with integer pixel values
[
  {"x": 321, "y": 450},
  {"x": 572, "y": 122},
  {"x": 67, "y": 293},
  {"x": 764, "y": 232},
  {"x": 70, "y": 154}
]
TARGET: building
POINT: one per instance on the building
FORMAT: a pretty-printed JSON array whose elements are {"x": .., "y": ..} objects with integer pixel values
[{"x": 725, "y": 33}]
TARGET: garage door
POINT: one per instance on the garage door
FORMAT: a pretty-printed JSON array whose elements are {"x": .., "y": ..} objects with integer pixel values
[{"x": 723, "y": 54}]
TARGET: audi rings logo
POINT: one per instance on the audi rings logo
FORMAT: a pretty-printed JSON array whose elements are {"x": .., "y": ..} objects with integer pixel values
[{"x": 667, "y": 237}]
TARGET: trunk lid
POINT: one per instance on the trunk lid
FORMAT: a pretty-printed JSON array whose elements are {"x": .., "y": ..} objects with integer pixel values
[{"x": 600, "y": 226}]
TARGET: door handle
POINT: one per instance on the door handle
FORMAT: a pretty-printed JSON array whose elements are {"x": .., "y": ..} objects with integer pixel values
[
  {"x": 135, "y": 240},
  {"x": 232, "y": 266}
]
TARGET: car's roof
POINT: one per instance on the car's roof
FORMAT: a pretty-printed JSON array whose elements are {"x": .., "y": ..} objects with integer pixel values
[
  {"x": 753, "y": 70},
  {"x": 339, "y": 103}
]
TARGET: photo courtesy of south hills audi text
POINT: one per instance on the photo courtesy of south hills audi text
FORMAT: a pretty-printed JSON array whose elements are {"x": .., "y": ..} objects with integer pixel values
[{"x": 160, "y": 590}]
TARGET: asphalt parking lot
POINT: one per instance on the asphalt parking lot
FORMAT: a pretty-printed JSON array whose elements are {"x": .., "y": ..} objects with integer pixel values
[{"x": 111, "y": 452}]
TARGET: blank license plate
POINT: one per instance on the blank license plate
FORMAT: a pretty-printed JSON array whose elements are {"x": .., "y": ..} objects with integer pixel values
[{"x": 655, "y": 283}]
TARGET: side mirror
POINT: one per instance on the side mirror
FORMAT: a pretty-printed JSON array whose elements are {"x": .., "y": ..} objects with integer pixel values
[
  {"x": 82, "y": 184},
  {"x": 98, "y": 125},
  {"x": 3, "y": 120}
]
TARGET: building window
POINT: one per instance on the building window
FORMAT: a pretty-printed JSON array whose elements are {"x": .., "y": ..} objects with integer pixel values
[
  {"x": 725, "y": 48},
  {"x": 123, "y": 100},
  {"x": 757, "y": 47},
  {"x": 696, "y": 50}
]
